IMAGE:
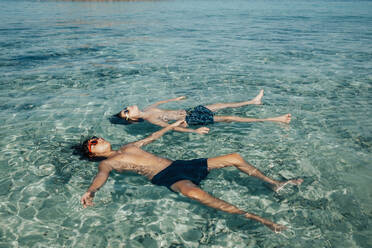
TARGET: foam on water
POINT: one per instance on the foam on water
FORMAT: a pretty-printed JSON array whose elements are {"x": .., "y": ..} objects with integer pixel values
[{"x": 66, "y": 67}]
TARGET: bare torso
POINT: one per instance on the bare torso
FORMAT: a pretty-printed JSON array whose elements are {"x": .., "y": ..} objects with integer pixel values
[
  {"x": 154, "y": 114},
  {"x": 131, "y": 158}
]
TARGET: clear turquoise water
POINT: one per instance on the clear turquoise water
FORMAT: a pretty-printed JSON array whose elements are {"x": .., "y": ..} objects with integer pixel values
[{"x": 67, "y": 66}]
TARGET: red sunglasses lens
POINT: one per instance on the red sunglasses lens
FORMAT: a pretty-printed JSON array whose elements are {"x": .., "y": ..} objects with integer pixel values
[{"x": 92, "y": 142}]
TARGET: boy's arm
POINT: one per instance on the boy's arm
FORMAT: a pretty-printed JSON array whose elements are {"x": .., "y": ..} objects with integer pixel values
[
  {"x": 201, "y": 130},
  {"x": 165, "y": 101},
  {"x": 100, "y": 179},
  {"x": 155, "y": 135}
]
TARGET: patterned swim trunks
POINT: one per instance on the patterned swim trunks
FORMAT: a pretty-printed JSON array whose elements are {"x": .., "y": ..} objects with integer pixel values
[{"x": 199, "y": 115}]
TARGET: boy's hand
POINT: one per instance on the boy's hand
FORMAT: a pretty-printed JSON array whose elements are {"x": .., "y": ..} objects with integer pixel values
[
  {"x": 202, "y": 130},
  {"x": 276, "y": 227},
  {"x": 87, "y": 199},
  {"x": 181, "y": 98}
]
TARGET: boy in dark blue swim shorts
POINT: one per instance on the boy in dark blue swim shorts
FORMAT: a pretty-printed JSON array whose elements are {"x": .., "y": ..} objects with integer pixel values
[
  {"x": 194, "y": 170},
  {"x": 182, "y": 176},
  {"x": 199, "y": 115}
]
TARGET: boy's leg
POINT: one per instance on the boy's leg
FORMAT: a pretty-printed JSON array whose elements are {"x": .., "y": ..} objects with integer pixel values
[
  {"x": 218, "y": 106},
  {"x": 237, "y": 161},
  {"x": 190, "y": 190},
  {"x": 283, "y": 119}
]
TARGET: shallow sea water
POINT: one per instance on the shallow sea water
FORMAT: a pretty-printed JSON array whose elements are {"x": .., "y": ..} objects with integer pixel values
[{"x": 66, "y": 67}]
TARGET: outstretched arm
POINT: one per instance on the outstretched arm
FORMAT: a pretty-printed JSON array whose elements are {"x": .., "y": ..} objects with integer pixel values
[
  {"x": 200, "y": 130},
  {"x": 155, "y": 135},
  {"x": 100, "y": 179},
  {"x": 165, "y": 101}
]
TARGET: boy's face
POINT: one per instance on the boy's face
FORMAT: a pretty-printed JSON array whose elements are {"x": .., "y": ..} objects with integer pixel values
[
  {"x": 129, "y": 113},
  {"x": 98, "y": 146}
]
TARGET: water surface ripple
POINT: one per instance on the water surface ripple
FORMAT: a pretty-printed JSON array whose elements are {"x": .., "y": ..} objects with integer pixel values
[{"x": 66, "y": 67}]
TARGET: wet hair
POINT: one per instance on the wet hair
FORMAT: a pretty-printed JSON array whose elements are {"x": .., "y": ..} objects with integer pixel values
[
  {"x": 85, "y": 149},
  {"x": 116, "y": 119}
]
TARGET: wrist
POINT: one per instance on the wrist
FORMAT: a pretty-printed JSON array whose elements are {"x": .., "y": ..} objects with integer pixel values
[{"x": 91, "y": 192}]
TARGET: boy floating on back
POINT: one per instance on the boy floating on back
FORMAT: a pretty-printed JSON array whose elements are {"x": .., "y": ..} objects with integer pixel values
[{"x": 199, "y": 115}]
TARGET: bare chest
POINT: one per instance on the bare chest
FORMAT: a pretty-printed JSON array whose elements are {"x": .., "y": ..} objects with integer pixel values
[
  {"x": 145, "y": 164},
  {"x": 168, "y": 115}
]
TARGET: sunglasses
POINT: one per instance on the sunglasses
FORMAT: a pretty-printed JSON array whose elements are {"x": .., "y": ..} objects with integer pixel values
[
  {"x": 92, "y": 141},
  {"x": 126, "y": 112}
]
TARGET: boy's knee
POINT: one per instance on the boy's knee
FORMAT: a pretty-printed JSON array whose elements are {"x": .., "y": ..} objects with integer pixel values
[
  {"x": 222, "y": 118},
  {"x": 229, "y": 119},
  {"x": 237, "y": 156}
]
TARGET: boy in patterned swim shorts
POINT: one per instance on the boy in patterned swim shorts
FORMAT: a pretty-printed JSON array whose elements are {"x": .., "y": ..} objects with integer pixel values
[{"x": 200, "y": 115}]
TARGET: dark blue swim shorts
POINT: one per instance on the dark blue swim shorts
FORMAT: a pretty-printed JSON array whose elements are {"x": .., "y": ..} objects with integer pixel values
[
  {"x": 199, "y": 115},
  {"x": 194, "y": 170}
]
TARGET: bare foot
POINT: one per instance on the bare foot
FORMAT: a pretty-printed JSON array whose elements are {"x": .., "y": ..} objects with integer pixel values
[
  {"x": 283, "y": 119},
  {"x": 257, "y": 99},
  {"x": 281, "y": 185}
]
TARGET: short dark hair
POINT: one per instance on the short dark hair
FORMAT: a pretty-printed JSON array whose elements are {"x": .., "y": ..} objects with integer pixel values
[
  {"x": 84, "y": 148},
  {"x": 116, "y": 119}
]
